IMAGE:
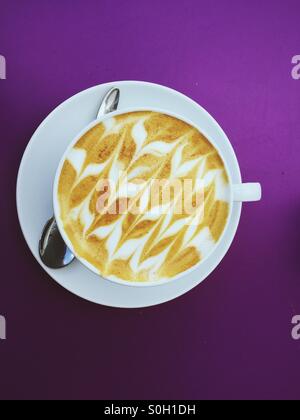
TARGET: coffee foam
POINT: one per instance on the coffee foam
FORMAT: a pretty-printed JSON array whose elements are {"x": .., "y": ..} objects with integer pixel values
[{"x": 157, "y": 243}]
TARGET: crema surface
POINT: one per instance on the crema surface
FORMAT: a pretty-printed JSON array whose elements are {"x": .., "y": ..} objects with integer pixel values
[{"x": 106, "y": 189}]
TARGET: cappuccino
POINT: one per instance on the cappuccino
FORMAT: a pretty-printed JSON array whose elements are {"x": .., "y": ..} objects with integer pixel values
[{"x": 143, "y": 196}]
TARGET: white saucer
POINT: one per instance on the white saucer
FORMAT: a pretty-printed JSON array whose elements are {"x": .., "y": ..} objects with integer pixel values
[{"x": 36, "y": 176}]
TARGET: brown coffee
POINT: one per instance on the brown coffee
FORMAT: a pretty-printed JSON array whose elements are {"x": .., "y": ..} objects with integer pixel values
[{"x": 120, "y": 202}]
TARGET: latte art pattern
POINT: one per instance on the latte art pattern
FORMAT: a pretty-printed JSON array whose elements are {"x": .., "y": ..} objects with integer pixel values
[{"x": 149, "y": 245}]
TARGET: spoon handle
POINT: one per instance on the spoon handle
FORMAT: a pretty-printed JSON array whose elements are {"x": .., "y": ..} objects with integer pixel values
[{"x": 110, "y": 102}]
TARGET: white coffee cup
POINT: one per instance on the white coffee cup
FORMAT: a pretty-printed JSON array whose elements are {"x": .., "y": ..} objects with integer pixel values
[{"x": 242, "y": 192}]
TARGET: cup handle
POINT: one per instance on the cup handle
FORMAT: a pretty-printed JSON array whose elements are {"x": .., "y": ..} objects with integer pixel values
[{"x": 247, "y": 192}]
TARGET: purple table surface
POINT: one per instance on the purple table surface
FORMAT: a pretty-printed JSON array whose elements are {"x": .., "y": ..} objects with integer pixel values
[{"x": 230, "y": 338}]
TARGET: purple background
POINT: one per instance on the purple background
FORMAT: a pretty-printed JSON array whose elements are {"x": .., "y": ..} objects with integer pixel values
[{"x": 231, "y": 336}]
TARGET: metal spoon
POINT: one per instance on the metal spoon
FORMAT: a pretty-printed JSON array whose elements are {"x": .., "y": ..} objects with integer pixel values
[{"x": 53, "y": 251}]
